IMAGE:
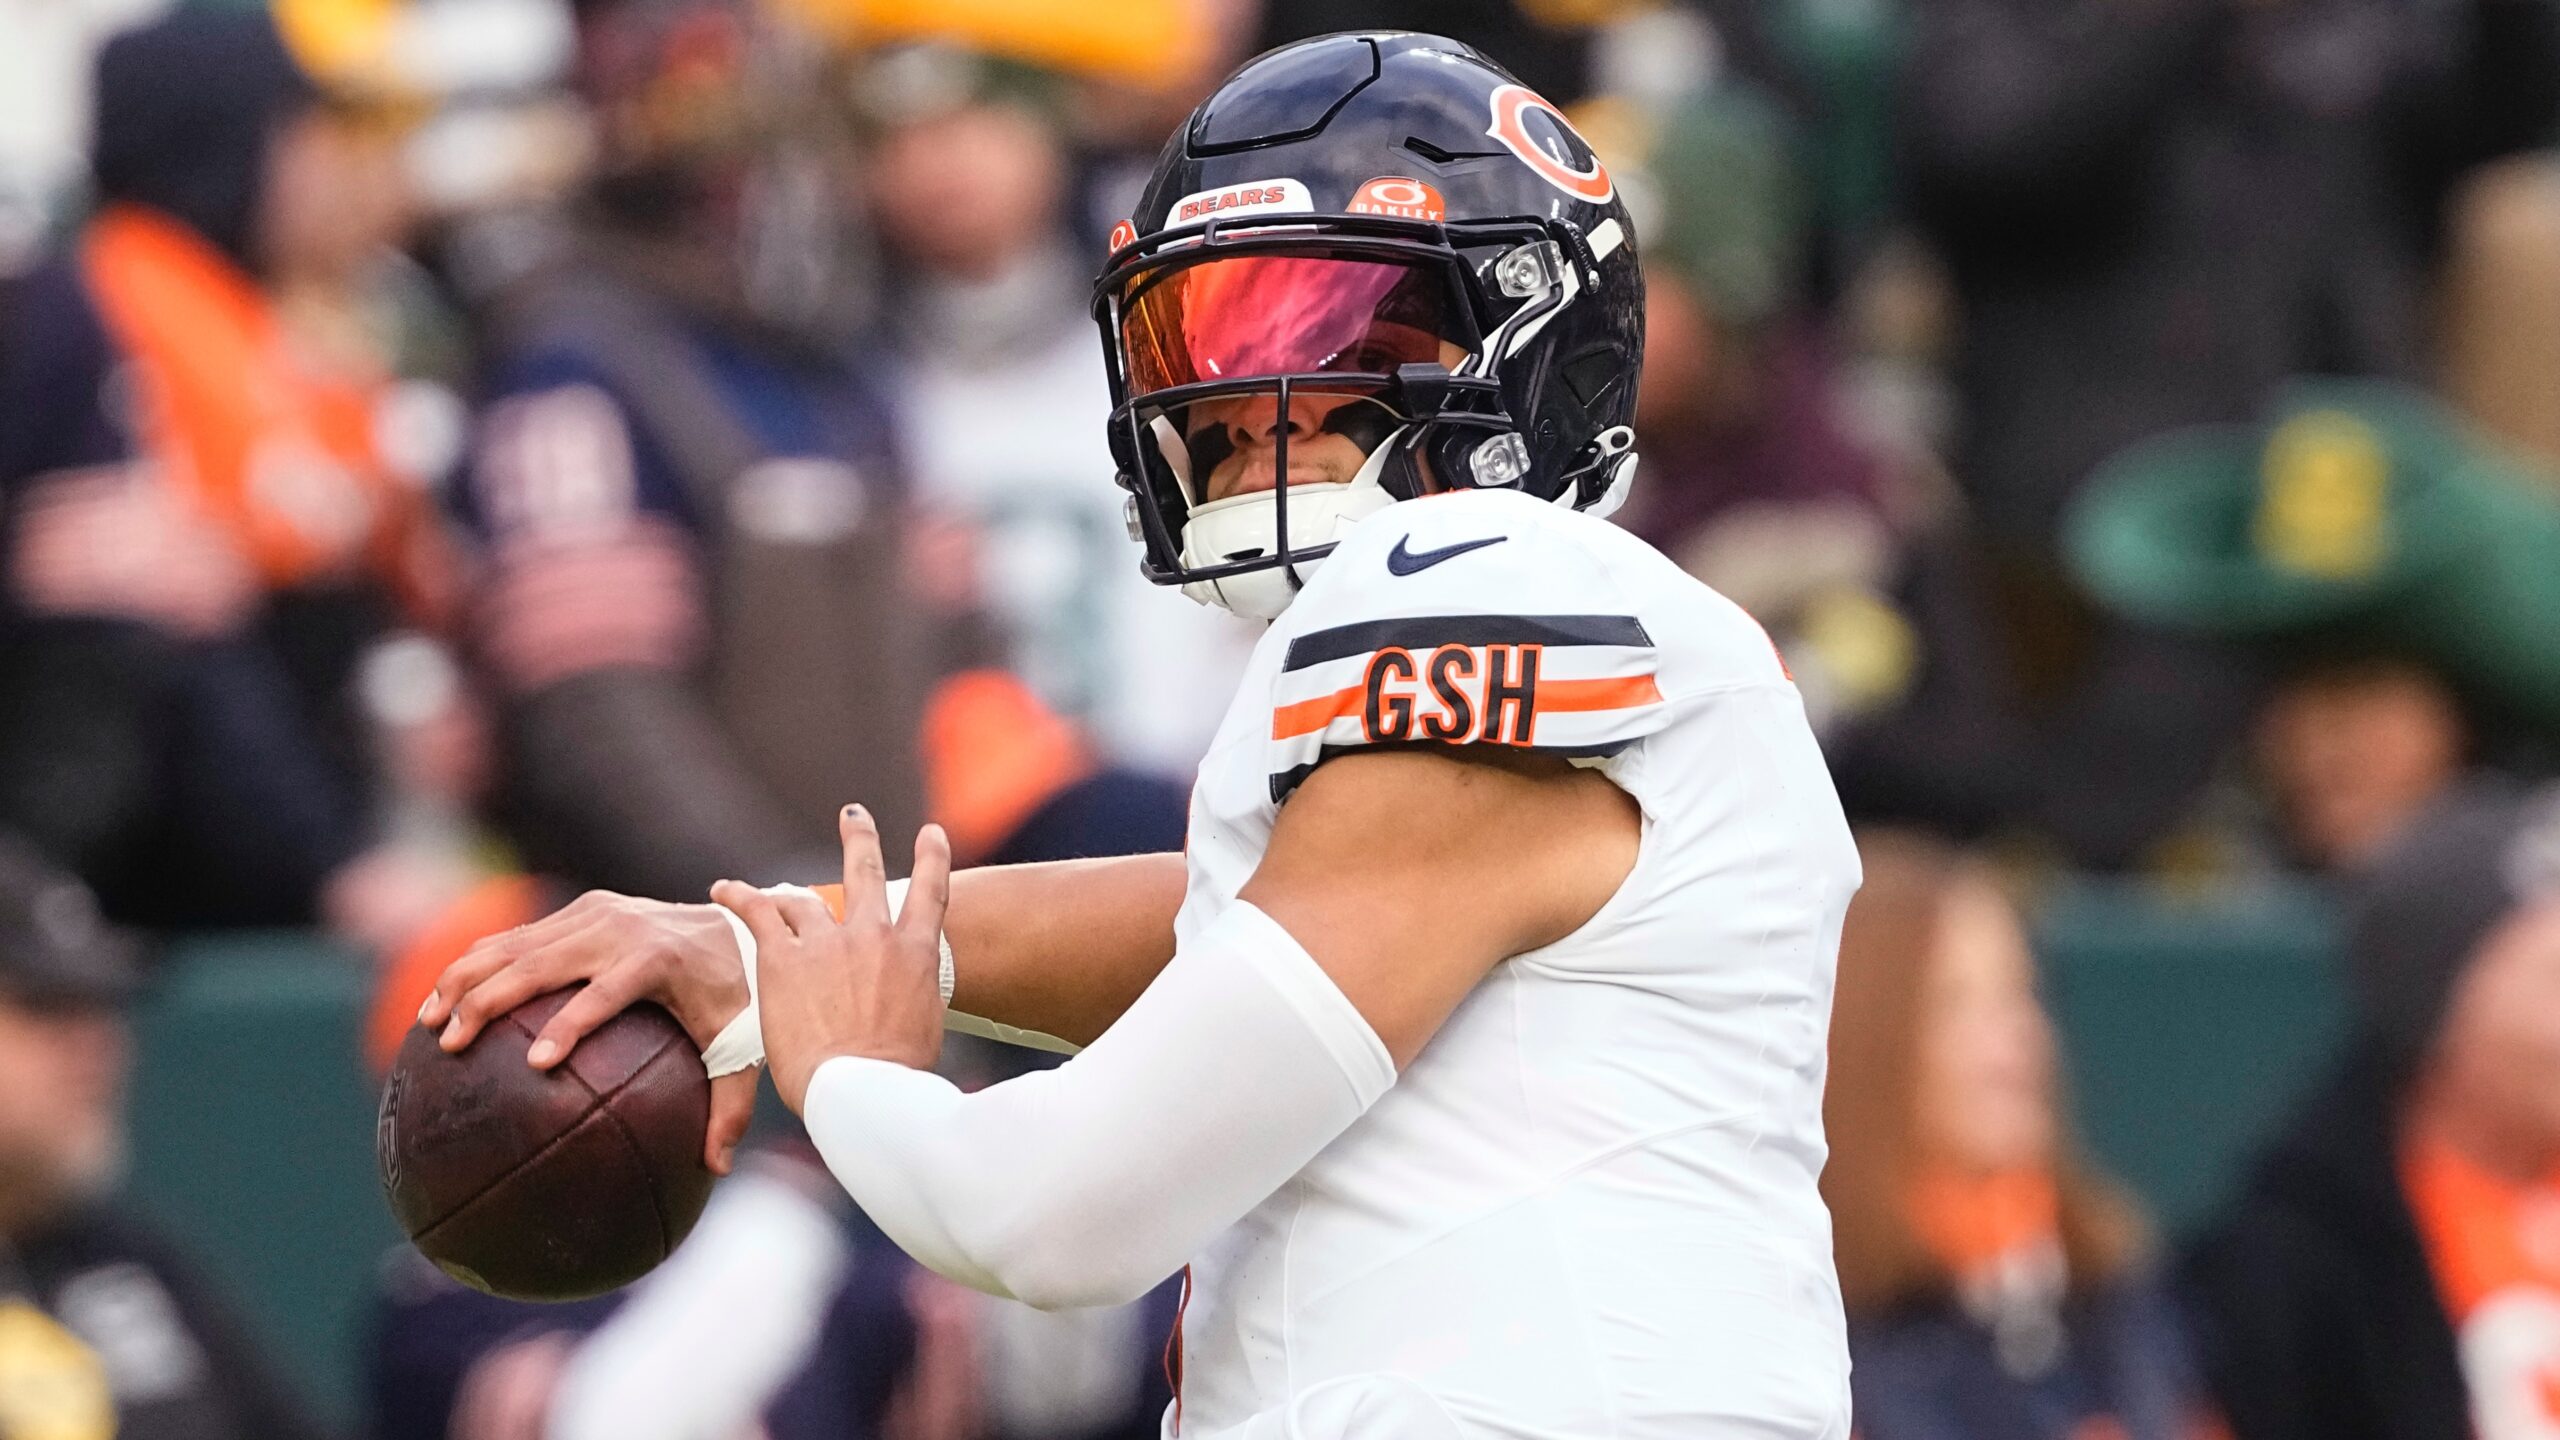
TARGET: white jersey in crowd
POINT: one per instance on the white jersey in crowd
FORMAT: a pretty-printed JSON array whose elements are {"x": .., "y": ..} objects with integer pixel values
[
  {"x": 1588, "y": 1208},
  {"x": 1140, "y": 666}
]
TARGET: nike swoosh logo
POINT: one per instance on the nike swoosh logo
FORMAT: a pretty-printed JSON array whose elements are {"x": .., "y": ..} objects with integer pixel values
[{"x": 1401, "y": 561}]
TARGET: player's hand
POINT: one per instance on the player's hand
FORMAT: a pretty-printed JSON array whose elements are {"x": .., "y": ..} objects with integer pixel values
[
  {"x": 681, "y": 957},
  {"x": 863, "y": 985}
]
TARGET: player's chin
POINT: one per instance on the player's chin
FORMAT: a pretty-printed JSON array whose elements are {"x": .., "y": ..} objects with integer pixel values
[{"x": 1260, "y": 480}]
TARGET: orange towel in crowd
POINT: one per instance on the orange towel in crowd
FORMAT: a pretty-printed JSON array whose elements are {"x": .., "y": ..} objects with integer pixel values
[
  {"x": 284, "y": 458},
  {"x": 1972, "y": 1223},
  {"x": 2484, "y": 1235},
  {"x": 498, "y": 904},
  {"x": 993, "y": 755}
]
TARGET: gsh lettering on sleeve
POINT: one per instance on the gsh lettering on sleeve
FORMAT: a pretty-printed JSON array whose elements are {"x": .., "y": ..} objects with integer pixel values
[{"x": 1458, "y": 695}]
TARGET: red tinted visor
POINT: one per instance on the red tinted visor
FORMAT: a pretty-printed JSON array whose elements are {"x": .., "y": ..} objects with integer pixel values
[{"x": 1254, "y": 315}]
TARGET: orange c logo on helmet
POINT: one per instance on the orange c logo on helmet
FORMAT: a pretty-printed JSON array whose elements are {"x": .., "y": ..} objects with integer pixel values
[
  {"x": 1123, "y": 235},
  {"x": 1512, "y": 106}
]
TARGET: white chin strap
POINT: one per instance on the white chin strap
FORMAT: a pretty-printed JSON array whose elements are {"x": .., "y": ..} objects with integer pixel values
[
  {"x": 1622, "y": 480},
  {"x": 1242, "y": 527}
]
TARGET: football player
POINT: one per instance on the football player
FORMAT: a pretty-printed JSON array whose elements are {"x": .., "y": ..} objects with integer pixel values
[{"x": 1471, "y": 1056}]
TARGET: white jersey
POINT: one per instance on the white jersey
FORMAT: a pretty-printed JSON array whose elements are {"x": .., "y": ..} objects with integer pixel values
[{"x": 1588, "y": 1208}]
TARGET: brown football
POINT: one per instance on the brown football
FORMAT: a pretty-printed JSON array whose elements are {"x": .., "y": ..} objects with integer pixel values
[{"x": 548, "y": 1185}]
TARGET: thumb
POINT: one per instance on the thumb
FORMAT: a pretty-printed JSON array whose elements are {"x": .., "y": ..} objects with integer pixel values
[{"x": 733, "y": 1105}]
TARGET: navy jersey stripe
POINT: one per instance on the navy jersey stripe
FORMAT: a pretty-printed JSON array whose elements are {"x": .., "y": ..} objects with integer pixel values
[{"x": 1428, "y": 632}]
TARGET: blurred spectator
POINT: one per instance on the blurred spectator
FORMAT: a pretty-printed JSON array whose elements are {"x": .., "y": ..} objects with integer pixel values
[
  {"x": 785, "y": 1310},
  {"x": 2352, "y": 748},
  {"x": 705, "y": 606},
  {"x": 2391, "y": 1269},
  {"x": 205, "y": 535},
  {"x": 1753, "y": 480},
  {"x": 2154, "y": 213},
  {"x": 999, "y": 378},
  {"x": 2396, "y": 577},
  {"x": 712, "y": 615},
  {"x": 694, "y": 600},
  {"x": 2501, "y": 310},
  {"x": 1991, "y": 1277},
  {"x": 784, "y": 1317},
  {"x": 2158, "y": 211},
  {"x": 1844, "y": 54},
  {"x": 103, "y": 1331}
]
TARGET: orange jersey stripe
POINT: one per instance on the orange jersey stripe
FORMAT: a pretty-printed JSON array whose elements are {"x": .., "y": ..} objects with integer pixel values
[
  {"x": 1616, "y": 693},
  {"x": 1306, "y": 717}
]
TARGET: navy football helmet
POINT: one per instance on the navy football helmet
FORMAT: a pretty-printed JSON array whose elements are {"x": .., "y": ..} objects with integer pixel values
[{"x": 1381, "y": 237}]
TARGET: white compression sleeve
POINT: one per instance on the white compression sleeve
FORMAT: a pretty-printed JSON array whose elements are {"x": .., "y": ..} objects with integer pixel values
[{"x": 1086, "y": 1184}]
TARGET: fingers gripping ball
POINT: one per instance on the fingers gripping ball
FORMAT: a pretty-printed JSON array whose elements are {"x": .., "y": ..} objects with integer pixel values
[{"x": 548, "y": 1185}]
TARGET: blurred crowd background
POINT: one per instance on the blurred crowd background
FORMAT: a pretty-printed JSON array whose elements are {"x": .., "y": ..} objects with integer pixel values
[{"x": 456, "y": 453}]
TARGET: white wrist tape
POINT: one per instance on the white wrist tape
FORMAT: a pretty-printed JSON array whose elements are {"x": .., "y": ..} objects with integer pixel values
[
  {"x": 1088, "y": 1183},
  {"x": 740, "y": 1043}
]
